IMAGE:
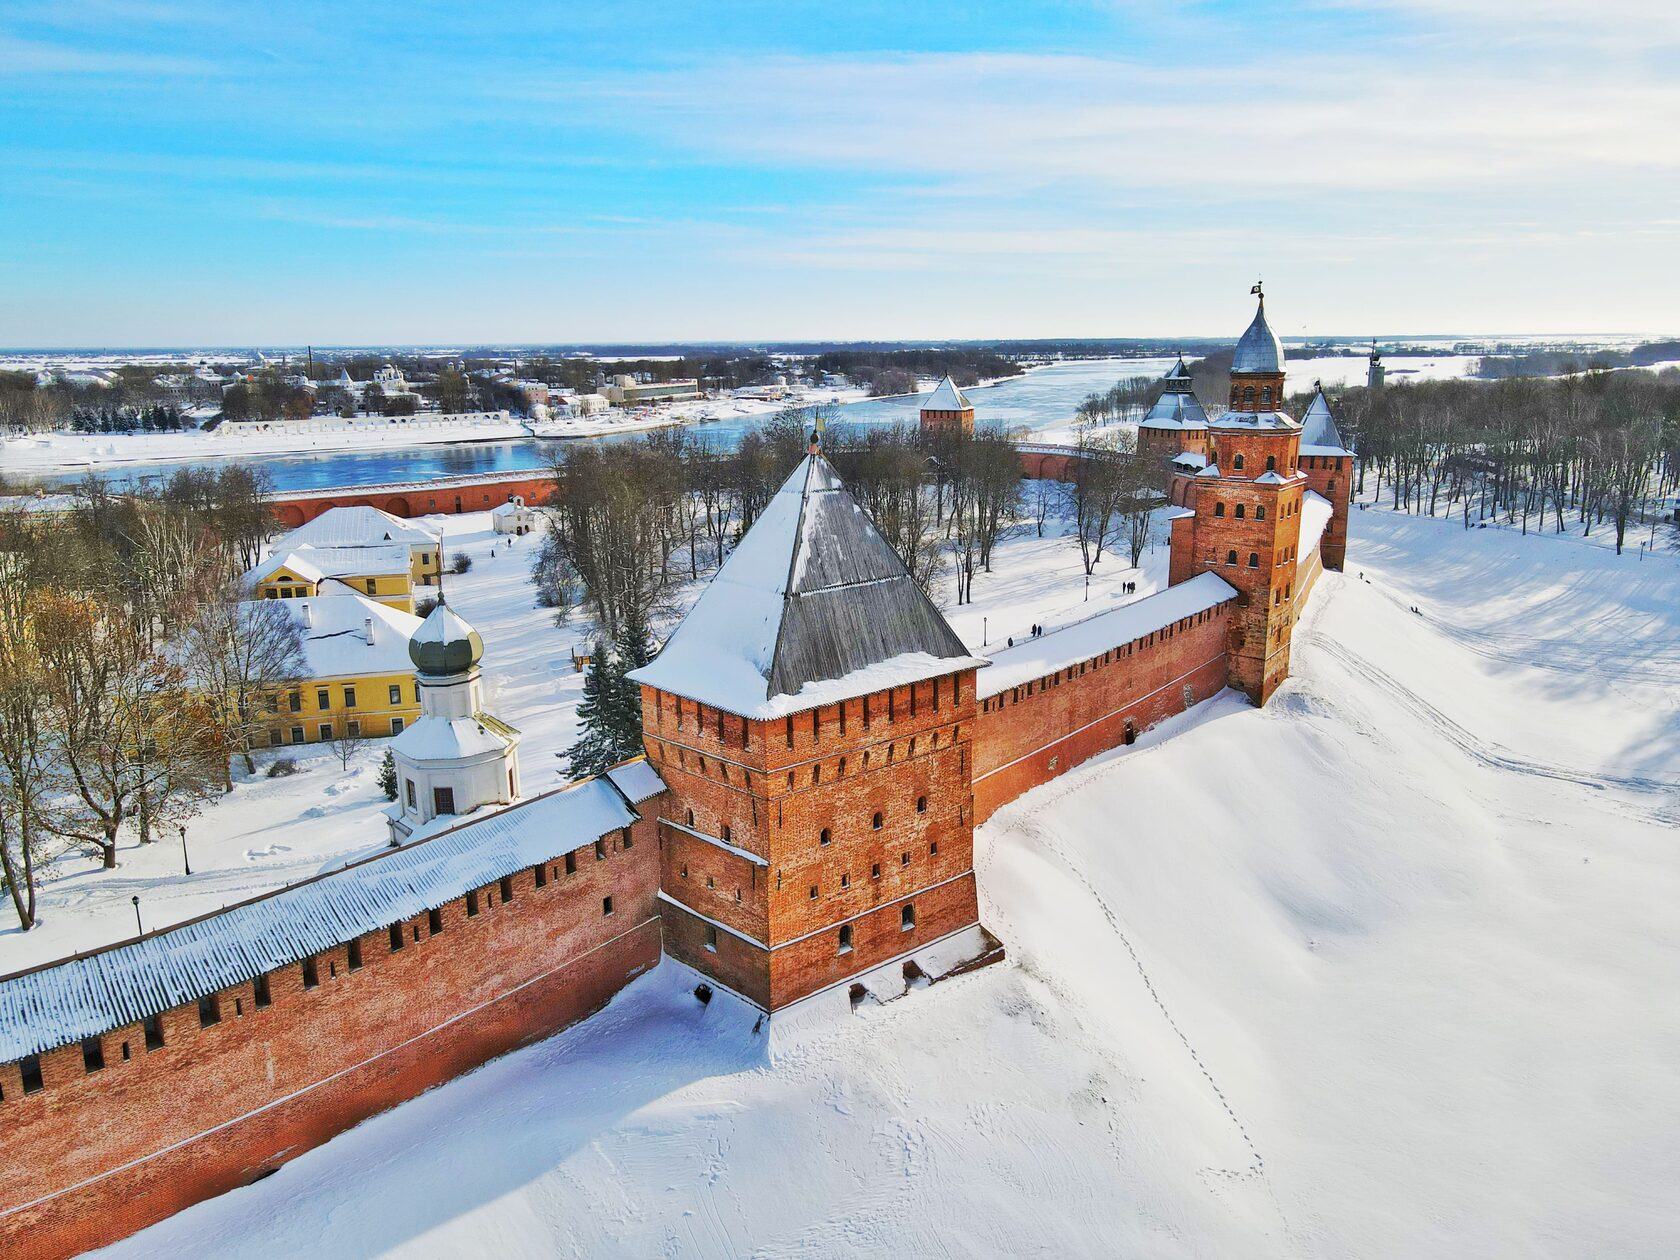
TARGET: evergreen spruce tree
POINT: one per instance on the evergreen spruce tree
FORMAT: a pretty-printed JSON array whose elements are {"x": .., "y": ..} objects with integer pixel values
[
  {"x": 388, "y": 776},
  {"x": 597, "y": 747},
  {"x": 634, "y": 649}
]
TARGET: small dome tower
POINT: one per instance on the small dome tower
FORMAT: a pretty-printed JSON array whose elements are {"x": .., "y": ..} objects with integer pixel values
[{"x": 456, "y": 757}]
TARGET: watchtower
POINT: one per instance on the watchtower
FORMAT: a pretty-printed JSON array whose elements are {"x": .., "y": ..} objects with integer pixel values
[
  {"x": 948, "y": 408},
  {"x": 812, "y": 717}
]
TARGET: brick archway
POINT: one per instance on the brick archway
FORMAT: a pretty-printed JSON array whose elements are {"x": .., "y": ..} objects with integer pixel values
[
  {"x": 398, "y": 506},
  {"x": 289, "y": 514}
]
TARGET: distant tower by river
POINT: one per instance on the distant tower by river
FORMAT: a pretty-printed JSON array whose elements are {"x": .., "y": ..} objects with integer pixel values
[
  {"x": 948, "y": 408},
  {"x": 1375, "y": 373}
]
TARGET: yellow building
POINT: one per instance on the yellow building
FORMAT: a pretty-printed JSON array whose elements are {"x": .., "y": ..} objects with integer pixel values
[
  {"x": 384, "y": 574},
  {"x": 358, "y": 680},
  {"x": 364, "y": 526}
]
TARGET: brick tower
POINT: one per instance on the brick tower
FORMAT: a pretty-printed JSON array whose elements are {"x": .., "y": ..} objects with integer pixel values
[
  {"x": 1328, "y": 466},
  {"x": 812, "y": 716},
  {"x": 948, "y": 408},
  {"x": 1243, "y": 518},
  {"x": 1175, "y": 424}
]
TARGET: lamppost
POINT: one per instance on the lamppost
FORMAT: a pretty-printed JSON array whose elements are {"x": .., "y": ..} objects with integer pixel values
[
  {"x": 139, "y": 928},
  {"x": 185, "y": 860}
]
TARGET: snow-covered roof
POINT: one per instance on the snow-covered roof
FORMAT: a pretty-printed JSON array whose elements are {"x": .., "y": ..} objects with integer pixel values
[
  {"x": 1057, "y": 649},
  {"x": 453, "y": 739},
  {"x": 94, "y": 993},
  {"x": 1190, "y": 459},
  {"x": 812, "y": 607},
  {"x": 1173, "y": 410},
  {"x": 1319, "y": 435},
  {"x": 1258, "y": 350},
  {"x": 946, "y": 397},
  {"x": 637, "y": 779},
  {"x": 1271, "y": 477},
  {"x": 1315, "y": 515},
  {"x": 511, "y": 508},
  {"x": 1255, "y": 420},
  {"x": 316, "y": 563},
  {"x": 334, "y": 629},
  {"x": 355, "y": 527}
]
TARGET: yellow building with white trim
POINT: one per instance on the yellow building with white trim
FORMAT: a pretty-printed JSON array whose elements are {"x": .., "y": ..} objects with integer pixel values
[{"x": 358, "y": 679}]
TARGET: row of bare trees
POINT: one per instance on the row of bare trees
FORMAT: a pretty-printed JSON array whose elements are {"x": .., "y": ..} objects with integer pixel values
[
  {"x": 631, "y": 521},
  {"x": 132, "y": 666},
  {"x": 1588, "y": 450}
]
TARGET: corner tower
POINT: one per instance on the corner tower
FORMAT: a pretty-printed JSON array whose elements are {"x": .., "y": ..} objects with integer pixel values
[
  {"x": 1175, "y": 424},
  {"x": 812, "y": 717},
  {"x": 948, "y": 408}
]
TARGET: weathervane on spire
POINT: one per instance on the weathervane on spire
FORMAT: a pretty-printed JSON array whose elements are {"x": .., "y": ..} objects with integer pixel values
[{"x": 1256, "y": 291}]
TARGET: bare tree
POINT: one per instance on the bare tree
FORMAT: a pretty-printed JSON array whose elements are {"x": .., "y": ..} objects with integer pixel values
[
  {"x": 245, "y": 654},
  {"x": 29, "y": 782}
]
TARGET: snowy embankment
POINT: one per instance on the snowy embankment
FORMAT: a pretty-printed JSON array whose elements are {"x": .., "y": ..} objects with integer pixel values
[{"x": 1381, "y": 970}]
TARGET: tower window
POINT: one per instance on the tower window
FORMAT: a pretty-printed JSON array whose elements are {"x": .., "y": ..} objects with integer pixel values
[
  {"x": 1219, "y": 509},
  {"x": 907, "y": 917},
  {"x": 1254, "y": 559},
  {"x": 711, "y": 939},
  {"x": 209, "y": 1011},
  {"x": 260, "y": 994},
  {"x": 1240, "y": 511},
  {"x": 921, "y": 804},
  {"x": 1237, "y": 462},
  {"x": 153, "y": 1028},
  {"x": 1271, "y": 463},
  {"x": 1260, "y": 512},
  {"x": 823, "y": 836},
  {"x": 311, "y": 973},
  {"x": 875, "y": 822},
  {"x": 30, "y": 1067},
  {"x": 396, "y": 936},
  {"x": 1230, "y": 557},
  {"x": 845, "y": 880},
  {"x": 845, "y": 939},
  {"x": 606, "y": 907},
  {"x": 813, "y": 892},
  {"x": 93, "y": 1055},
  {"x": 1248, "y": 397}
]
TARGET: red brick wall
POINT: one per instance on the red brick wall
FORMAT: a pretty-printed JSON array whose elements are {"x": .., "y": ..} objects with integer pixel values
[
  {"x": 417, "y": 500},
  {"x": 94, "y": 1156},
  {"x": 1030, "y": 734},
  {"x": 963, "y": 420},
  {"x": 776, "y": 786}
]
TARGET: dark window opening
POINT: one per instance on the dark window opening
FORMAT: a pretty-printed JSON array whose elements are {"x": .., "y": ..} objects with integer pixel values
[
  {"x": 600, "y": 850},
  {"x": 813, "y": 892},
  {"x": 472, "y": 904},
  {"x": 505, "y": 887},
  {"x": 396, "y": 937},
  {"x": 845, "y": 938},
  {"x": 311, "y": 973},
  {"x": 907, "y": 917},
  {"x": 434, "y": 922},
  {"x": 152, "y": 1026},
  {"x": 540, "y": 875},
  {"x": 876, "y": 821},
  {"x": 875, "y": 870},
  {"x": 629, "y": 842},
  {"x": 571, "y": 863},
  {"x": 259, "y": 991},
  {"x": 30, "y": 1067},
  {"x": 354, "y": 952},
  {"x": 209, "y": 1011},
  {"x": 823, "y": 836},
  {"x": 93, "y": 1055},
  {"x": 606, "y": 906},
  {"x": 711, "y": 939},
  {"x": 921, "y": 804}
]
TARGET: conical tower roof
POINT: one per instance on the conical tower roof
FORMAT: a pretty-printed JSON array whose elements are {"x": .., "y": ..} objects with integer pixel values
[
  {"x": 811, "y": 608},
  {"x": 1259, "y": 349},
  {"x": 1318, "y": 428},
  {"x": 947, "y": 397}
]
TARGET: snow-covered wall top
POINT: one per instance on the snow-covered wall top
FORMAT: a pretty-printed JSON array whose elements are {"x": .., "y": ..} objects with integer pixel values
[
  {"x": 1315, "y": 515},
  {"x": 1037, "y": 658},
  {"x": 92, "y": 994}
]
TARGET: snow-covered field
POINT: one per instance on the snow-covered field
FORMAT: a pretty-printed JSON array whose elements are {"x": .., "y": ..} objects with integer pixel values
[{"x": 1382, "y": 970}]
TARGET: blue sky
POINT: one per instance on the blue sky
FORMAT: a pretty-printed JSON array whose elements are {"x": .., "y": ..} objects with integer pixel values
[{"x": 234, "y": 174}]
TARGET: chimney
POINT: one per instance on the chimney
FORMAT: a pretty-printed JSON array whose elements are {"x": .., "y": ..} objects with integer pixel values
[
  {"x": 367, "y": 631},
  {"x": 308, "y": 616}
]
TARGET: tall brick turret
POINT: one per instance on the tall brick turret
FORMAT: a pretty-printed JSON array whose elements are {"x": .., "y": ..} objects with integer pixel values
[
  {"x": 1175, "y": 423},
  {"x": 812, "y": 717},
  {"x": 1242, "y": 513}
]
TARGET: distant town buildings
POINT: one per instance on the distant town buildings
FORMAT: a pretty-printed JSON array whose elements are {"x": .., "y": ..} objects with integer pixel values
[{"x": 626, "y": 391}]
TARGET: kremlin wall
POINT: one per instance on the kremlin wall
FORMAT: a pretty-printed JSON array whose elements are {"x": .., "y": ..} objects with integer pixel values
[{"x": 819, "y": 747}]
